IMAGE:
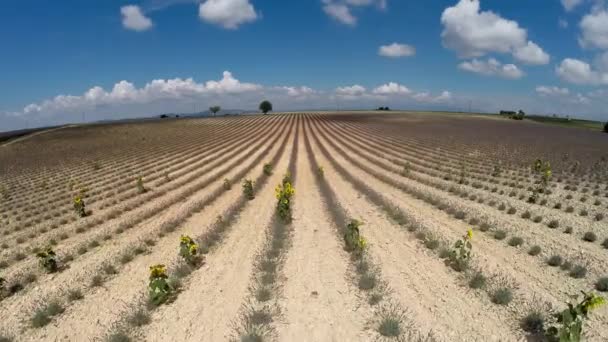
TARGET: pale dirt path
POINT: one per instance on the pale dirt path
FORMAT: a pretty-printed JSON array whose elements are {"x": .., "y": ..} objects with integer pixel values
[
  {"x": 213, "y": 295},
  {"x": 535, "y": 279},
  {"x": 432, "y": 293},
  {"x": 316, "y": 262}
]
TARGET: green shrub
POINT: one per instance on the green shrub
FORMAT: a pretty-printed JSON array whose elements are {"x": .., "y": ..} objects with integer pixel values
[
  {"x": 227, "y": 185},
  {"x": 602, "y": 284},
  {"x": 534, "y": 250},
  {"x": 502, "y": 296},
  {"x": 79, "y": 206},
  {"x": 590, "y": 237},
  {"x": 140, "y": 185},
  {"x": 555, "y": 260},
  {"x": 267, "y": 169},
  {"x": 248, "y": 189},
  {"x": 47, "y": 259},
  {"x": 352, "y": 238}
]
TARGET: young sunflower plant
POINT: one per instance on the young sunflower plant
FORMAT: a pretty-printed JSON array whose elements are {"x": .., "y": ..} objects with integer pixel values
[
  {"x": 284, "y": 192},
  {"x": 570, "y": 322},
  {"x": 160, "y": 290},
  {"x": 79, "y": 206},
  {"x": 352, "y": 238},
  {"x": 188, "y": 249},
  {"x": 460, "y": 256},
  {"x": 48, "y": 259}
]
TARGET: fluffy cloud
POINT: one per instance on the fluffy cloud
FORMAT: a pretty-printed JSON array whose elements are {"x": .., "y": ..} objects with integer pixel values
[
  {"x": 531, "y": 54},
  {"x": 396, "y": 50},
  {"x": 569, "y": 5},
  {"x": 472, "y": 33},
  {"x": 298, "y": 92},
  {"x": 594, "y": 30},
  {"x": 134, "y": 19},
  {"x": 579, "y": 72},
  {"x": 125, "y": 92},
  {"x": 392, "y": 92},
  {"x": 492, "y": 67},
  {"x": 552, "y": 91},
  {"x": 354, "y": 90},
  {"x": 341, "y": 10},
  {"x": 227, "y": 13},
  {"x": 391, "y": 88}
]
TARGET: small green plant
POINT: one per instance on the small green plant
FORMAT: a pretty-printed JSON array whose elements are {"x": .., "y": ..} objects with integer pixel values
[
  {"x": 48, "y": 259},
  {"x": 477, "y": 281},
  {"x": 284, "y": 192},
  {"x": 227, "y": 185},
  {"x": 502, "y": 296},
  {"x": 590, "y": 237},
  {"x": 602, "y": 284},
  {"x": 570, "y": 322},
  {"x": 406, "y": 169},
  {"x": 79, "y": 206},
  {"x": 248, "y": 189},
  {"x": 2, "y": 285},
  {"x": 352, "y": 238},
  {"x": 188, "y": 249},
  {"x": 268, "y": 169},
  {"x": 460, "y": 256},
  {"x": 160, "y": 290},
  {"x": 321, "y": 171},
  {"x": 543, "y": 169},
  {"x": 140, "y": 185}
]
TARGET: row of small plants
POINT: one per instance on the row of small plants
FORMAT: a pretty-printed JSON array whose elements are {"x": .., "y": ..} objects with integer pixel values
[
  {"x": 459, "y": 258},
  {"x": 192, "y": 167},
  {"x": 575, "y": 271},
  {"x": 260, "y": 311},
  {"x": 152, "y": 212},
  {"x": 541, "y": 168},
  {"x": 168, "y": 227},
  {"x": 163, "y": 287},
  {"x": 390, "y": 320},
  {"x": 407, "y": 167},
  {"x": 194, "y": 148},
  {"x": 392, "y": 182}
]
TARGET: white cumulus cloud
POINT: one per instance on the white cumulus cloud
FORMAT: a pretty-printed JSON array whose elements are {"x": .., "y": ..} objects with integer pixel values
[
  {"x": 580, "y": 72},
  {"x": 531, "y": 54},
  {"x": 125, "y": 92},
  {"x": 474, "y": 33},
  {"x": 298, "y": 92},
  {"x": 569, "y": 5},
  {"x": 396, "y": 50},
  {"x": 492, "y": 67},
  {"x": 341, "y": 10},
  {"x": 229, "y": 14},
  {"x": 391, "y": 88},
  {"x": 134, "y": 19},
  {"x": 552, "y": 91},
  {"x": 594, "y": 30},
  {"x": 354, "y": 90}
]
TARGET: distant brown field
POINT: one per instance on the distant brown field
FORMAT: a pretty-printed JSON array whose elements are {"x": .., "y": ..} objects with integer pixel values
[{"x": 415, "y": 182}]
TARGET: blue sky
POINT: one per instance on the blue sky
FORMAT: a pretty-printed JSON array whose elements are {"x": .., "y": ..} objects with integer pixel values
[{"x": 546, "y": 56}]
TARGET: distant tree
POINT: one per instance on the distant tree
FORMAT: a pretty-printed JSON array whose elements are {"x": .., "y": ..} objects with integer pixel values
[
  {"x": 386, "y": 108},
  {"x": 606, "y": 127},
  {"x": 163, "y": 116},
  {"x": 265, "y": 106},
  {"x": 214, "y": 109}
]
